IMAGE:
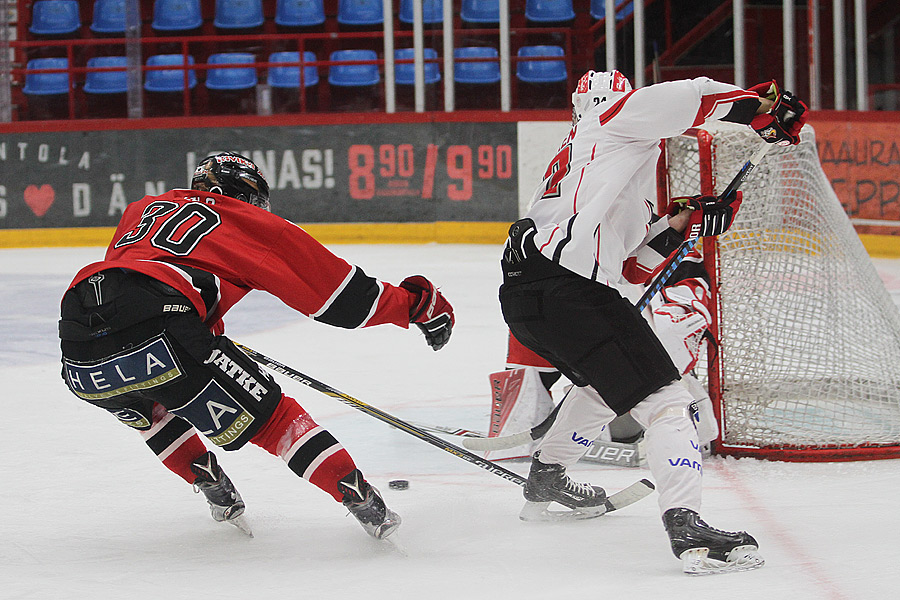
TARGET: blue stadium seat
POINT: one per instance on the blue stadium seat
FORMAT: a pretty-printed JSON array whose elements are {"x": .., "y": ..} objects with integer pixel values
[
  {"x": 432, "y": 11},
  {"x": 238, "y": 14},
  {"x": 176, "y": 15},
  {"x": 598, "y": 10},
  {"x": 480, "y": 11},
  {"x": 169, "y": 80},
  {"x": 289, "y": 76},
  {"x": 476, "y": 72},
  {"x": 549, "y": 11},
  {"x": 106, "y": 82},
  {"x": 353, "y": 75},
  {"x": 45, "y": 84},
  {"x": 109, "y": 16},
  {"x": 405, "y": 74},
  {"x": 299, "y": 13},
  {"x": 541, "y": 71},
  {"x": 360, "y": 12},
  {"x": 55, "y": 17},
  {"x": 231, "y": 78}
]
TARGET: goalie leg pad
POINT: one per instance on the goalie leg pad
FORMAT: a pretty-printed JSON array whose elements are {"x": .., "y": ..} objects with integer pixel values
[{"x": 519, "y": 401}]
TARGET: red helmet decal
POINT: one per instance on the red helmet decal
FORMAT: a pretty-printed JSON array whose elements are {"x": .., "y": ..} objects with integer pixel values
[{"x": 584, "y": 84}]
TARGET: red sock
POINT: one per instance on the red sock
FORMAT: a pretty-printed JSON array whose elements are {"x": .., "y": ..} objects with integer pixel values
[
  {"x": 308, "y": 449},
  {"x": 174, "y": 441}
]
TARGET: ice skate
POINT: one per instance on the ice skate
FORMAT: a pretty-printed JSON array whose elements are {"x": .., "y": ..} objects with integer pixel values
[
  {"x": 366, "y": 504},
  {"x": 225, "y": 503},
  {"x": 549, "y": 483},
  {"x": 704, "y": 550}
]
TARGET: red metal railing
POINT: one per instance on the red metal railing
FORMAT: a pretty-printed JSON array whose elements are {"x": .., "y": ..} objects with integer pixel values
[{"x": 77, "y": 50}]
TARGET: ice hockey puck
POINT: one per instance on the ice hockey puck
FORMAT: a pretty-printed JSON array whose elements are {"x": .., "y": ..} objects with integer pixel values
[{"x": 399, "y": 484}]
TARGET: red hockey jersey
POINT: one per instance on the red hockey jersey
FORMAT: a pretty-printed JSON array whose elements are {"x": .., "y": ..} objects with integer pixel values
[{"x": 215, "y": 249}]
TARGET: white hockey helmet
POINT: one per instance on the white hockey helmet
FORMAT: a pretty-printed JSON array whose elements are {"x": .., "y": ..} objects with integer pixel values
[{"x": 596, "y": 87}]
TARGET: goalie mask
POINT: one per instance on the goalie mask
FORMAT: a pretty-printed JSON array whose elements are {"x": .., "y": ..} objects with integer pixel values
[
  {"x": 231, "y": 174},
  {"x": 595, "y": 88}
]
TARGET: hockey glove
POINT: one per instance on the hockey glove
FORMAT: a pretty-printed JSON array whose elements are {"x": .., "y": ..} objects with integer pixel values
[
  {"x": 782, "y": 123},
  {"x": 710, "y": 216},
  {"x": 430, "y": 311}
]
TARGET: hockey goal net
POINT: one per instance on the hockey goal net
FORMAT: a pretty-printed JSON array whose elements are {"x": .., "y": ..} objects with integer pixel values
[{"x": 808, "y": 361}]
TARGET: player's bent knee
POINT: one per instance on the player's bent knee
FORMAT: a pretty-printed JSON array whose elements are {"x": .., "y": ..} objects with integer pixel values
[{"x": 670, "y": 402}]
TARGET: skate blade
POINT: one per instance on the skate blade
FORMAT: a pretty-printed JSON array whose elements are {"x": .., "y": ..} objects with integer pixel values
[
  {"x": 539, "y": 512},
  {"x": 390, "y": 525},
  {"x": 241, "y": 523},
  {"x": 696, "y": 561}
]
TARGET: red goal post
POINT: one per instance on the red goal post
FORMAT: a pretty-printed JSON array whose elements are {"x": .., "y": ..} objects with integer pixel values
[{"x": 807, "y": 365}]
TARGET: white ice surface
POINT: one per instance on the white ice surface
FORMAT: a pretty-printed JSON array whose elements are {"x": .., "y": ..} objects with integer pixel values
[{"x": 87, "y": 511}]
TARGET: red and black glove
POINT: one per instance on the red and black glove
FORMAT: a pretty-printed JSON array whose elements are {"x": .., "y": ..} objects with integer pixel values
[
  {"x": 710, "y": 216},
  {"x": 430, "y": 311},
  {"x": 782, "y": 123}
]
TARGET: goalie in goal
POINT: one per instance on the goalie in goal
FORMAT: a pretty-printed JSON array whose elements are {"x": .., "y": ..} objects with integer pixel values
[{"x": 564, "y": 293}]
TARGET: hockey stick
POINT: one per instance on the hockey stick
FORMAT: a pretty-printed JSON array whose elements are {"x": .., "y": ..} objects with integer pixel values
[
  {"x": 687, "y": 245},
  {"x": 381, "y": 415},
  {"x": 538, "y": 431},
  {"x": 458, "y": 431},
  {"x": 629, "y": 495},
  {"x": 516, "y": 439}
]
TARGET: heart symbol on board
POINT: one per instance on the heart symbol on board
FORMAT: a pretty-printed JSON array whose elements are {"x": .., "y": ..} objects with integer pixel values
[{"x": 39, "y": 199}]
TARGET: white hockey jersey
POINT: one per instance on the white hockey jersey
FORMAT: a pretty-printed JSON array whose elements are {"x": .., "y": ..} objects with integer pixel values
[{"x": 593, "y": 208}]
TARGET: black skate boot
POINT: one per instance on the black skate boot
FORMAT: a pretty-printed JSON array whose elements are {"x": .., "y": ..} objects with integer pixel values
[
  {"x": 704, "y": 550},
  {"x": 366, "y": 504},
  {"x": 549, "y": 483},
  {"x": 225, "y": 503}
]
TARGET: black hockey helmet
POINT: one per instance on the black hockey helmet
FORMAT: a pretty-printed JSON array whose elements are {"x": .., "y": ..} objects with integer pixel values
[{"x": 230, "y": 174}]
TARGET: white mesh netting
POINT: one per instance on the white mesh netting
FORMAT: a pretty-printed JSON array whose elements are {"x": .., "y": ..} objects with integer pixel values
[{"x": 809, "y": 337}]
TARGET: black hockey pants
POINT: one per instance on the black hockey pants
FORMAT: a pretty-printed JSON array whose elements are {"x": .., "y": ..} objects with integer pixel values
[
  {"x": 128, "y": 341},
  {"x": 585, "y": 329}
]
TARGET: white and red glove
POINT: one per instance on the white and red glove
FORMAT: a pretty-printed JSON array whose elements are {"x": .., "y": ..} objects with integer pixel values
[
  {"x": 681, "y": 322},
  {"x": 429, "y": 310},
  {"x": 782, "y": 123}
]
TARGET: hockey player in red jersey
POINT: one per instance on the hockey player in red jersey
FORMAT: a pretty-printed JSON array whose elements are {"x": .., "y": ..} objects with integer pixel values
[
  {"x": 142, "y": 333},
  {"x": 566, "y": 270}
]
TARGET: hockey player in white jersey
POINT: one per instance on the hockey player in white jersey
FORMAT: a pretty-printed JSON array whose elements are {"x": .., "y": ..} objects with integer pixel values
[
  {"x": 567, "y": 263},
  {"x": 522, "y": 405}
]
